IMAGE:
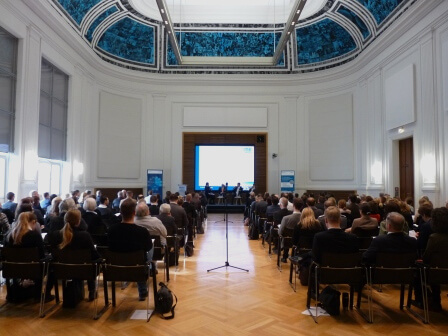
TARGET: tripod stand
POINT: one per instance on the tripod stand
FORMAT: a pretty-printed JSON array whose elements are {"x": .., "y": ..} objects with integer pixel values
[
  {"x": 225, "y": 219},
  {"x": 226, "y": 264}
]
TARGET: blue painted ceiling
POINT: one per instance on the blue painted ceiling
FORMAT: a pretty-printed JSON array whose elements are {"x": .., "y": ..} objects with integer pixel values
[{"x": 336, "y": 35}]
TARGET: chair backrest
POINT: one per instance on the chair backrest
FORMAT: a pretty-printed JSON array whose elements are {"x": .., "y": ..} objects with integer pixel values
[
  {"x": 158, "y": 249},
  {"x": 341, "y": 268},
  {"x": 394, "y": 268},
  {"x": 21, "y": 262},
  {"x": 360, "y": 232},
  {"x": 125, "y": 266},
  {"x": 74, "y": 264}
]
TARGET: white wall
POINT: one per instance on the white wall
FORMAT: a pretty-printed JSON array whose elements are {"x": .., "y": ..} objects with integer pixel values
[{"x": 353, "y": 99}]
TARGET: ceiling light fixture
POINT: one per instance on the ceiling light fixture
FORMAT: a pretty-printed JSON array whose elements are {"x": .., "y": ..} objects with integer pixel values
[{"x": 169, "y": 27}]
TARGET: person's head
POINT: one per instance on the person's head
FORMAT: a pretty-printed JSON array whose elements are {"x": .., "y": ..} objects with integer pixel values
[
  {"x": 283, "y": 202},
  {"x": 24, "y": 207},
  {"x": 153, "y": 199},
  {"x": 180, "y": 200},
  {"x": 140, "y": 198},
  {"x": 206, "y": 184},
  {"x": 297, "y": 203},
  {"x": 353, "y": 198},
  {"x": 72, "y": 219},
  {"x": 423, "y": 199},
  {"x": 238, "y": 184},
  {"x": 364, "y": 209},
  {"x": 142, "y": 210},
  {"x": 425, "y": 211},
  {"x": 391, "y": 206},
  {"x": 274, "y": 200},
  {"x": 310, "y": 201},
  {"x": 342, "y": 204},
  {"x": 55, "y": 205},
  {"x": 89, "y": 204},
  {"x": 332, "y": 217},
  {"x": 307, "y": 213},
  {"x": 10, "y": 196},
  {"x": 46, "y": 195},
  {"x": 75, "y": 193},
  {"x": 328, "y": 203},
  {"x": 188, "y": 198},
  {"x": 120, "y": 194},
  {"x": 36, "y": 199},
  {"x": 307, "y": 219},
  {"x": 129, "y": 193},
  {"x": 439, "y": 218},
  {"x": 127, "y": 210},
  {"x": 25, "y": 222},
  {"x": 165, "y": 209},
  {"x": 395, "y": 222},
  {"x": 67, "y": 204},
  {"x": 33, "y": 193},
  {"x": 321, "y": 199},
  {"x": 104, "y": 200},
  {"x": 173, "y": 198}
]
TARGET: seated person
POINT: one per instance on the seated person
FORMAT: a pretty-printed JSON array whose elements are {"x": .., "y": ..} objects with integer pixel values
[
  {"x": 365, "y": 225},
  {"x": 396, "y": 241},
  {"x": 209, "y": 194},
  {"x": 72, "y": 238},
  {"x": 24, "y": 235},
  {"x": 95, "y": 224},
  {"x": 129, "y": 237}
]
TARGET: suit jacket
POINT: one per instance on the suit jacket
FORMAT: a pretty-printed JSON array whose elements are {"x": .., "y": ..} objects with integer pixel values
[
  {"x": 333, "y": 241},
  {"x": 169, "y": 223},
  {"x": 397, "y": 242},
  {"x": 154, "y": 210},
  {"x": 289, "y": 222},
  {"x": 95, "y": 224},
  {"x": 179, "y": 214},
  {"x": 279, "y": 215}
]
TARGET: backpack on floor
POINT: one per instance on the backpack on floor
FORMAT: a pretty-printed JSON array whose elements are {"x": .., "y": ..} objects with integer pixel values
[
  {"x": 165, "y": 301},
  {"x": 253, "y": 231}
]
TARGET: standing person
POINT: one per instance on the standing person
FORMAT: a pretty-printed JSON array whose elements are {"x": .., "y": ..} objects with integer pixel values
[
  {"x": 129, "y": 237},
  {"x": 209, "y": 194},
  {"x": 10, "y": 204},
  {"x": 98, "y": 197},
  {"x": 116, "y": 202}
]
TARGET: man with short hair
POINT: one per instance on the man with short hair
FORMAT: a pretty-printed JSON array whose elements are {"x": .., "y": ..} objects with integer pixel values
[
  {"x": 311, "y": 203},
  {"x": 45, "y": 203},
  {"x": 334, "y": 239},
  {"x": 154, "y": 205},
  {"x": 10, "y": 204},
  {"x": 179, "y": 214},
  {"x": 152, "y": 224},
  {"x": 106, "y": 213},
  {"x": 117, "y": 201},
  {"x": 321, "y": 219},
  {"x": 395, "y": 241},
  {"x": 128, "y": 237},
  {"x": 290, "y": 222}
]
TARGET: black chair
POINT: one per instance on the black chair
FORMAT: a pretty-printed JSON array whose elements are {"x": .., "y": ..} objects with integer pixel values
[
  {"x": 284, "y": 242},
  {"x": 25, "y": 263},
  {"x": 364, "y": 242},
  {"x": 337, "y": 268},
  {"x": 393, "y": 268},
  {"x": 172, "y": 248},
  {"x": 268, "y": 224},
  {"x": 159, "y": 254},
  {"x": 76, "y": 265},
  {"x": 361, "y": 232},
  {"x": 434, "y": 274},
  {"x": 304, "y": 246},
  {"x": 128, "y": 266}
]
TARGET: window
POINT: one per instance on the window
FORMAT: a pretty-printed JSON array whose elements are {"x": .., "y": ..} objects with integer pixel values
[
  {"x": 8, "y": 77},
  {"x": 53, "y": 113},
  {"x": 49, "y": 176},
  {"x": 2, "y": 177}
]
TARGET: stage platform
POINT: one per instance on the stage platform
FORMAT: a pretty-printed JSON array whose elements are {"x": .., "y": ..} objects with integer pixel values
[{"x": 221, "y": 208}]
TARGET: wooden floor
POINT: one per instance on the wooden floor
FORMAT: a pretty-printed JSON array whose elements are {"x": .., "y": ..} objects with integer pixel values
[{"x": 222, "y": 302}]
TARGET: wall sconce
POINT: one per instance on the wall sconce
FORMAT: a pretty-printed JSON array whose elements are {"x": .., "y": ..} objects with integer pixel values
[
  {"x": 400, "y": 130},
  {"x": 274, "y": 155}
]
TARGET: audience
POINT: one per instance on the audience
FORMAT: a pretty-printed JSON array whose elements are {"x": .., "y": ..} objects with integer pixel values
[
  {"x": 365, "y": 225},
  {"x": 152, "y": 224}
]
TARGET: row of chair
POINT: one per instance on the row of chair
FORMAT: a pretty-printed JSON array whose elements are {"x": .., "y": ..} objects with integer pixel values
[{"x": 24, "y": 263}]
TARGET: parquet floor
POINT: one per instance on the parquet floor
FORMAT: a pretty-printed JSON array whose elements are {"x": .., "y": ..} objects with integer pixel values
[{"x": 222, "y": 302}]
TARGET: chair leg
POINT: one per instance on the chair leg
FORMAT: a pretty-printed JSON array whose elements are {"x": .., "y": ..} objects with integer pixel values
[{"x": 113, "y": 294}]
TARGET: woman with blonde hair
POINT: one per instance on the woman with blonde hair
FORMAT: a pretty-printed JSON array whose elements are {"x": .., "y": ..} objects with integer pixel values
[
  {"x": 306, "y": 229},
  {"x": 72, "y": 238}
]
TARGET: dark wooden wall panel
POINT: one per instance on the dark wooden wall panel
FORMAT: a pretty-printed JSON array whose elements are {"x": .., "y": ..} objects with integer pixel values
[{"x": 192, "y": 139}]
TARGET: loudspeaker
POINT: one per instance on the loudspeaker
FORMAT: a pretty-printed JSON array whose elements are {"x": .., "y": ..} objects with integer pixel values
[{"x": 260, "y": 138}]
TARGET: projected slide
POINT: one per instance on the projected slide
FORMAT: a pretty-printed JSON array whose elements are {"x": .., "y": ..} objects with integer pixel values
[{"x": 226, "y": 163}]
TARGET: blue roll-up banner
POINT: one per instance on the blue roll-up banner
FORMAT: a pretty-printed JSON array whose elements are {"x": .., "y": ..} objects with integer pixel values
[
  {"x": 155, "y": 181},
  {"x": 287, "y": 180}
]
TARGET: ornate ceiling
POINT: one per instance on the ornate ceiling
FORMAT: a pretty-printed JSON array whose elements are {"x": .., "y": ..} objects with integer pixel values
[{"x": 120, "y": 34}]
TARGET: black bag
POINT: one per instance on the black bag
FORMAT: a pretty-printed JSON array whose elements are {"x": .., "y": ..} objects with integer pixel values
[
  {"x": 330, "y": 299},
  {"x": 253, "y": 231},
  {"x": 72, "y": 293},
  {"x": 165, "y": 302},
  {"x": 189, "y": 250}
]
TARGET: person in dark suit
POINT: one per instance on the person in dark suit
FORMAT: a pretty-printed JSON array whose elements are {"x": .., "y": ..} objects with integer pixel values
[
  {"x": 167, "y": 220},
  {"x": 333, "y": 240},
  {"x": 311, "y": 203},
  {"x": 396, "y": 241},
  {"x": 154, "y": 205},
  {"x": 353, "y": 206},
  {"x": 57, "y": 222},
  {"x": 278, "y": 215},
  {"x": 190, "y": 210},
  {"x": 129, "y": 237},
  {"x": 106, "y": 213},
  {"x": 179, "y": 214},
  {"x": 209, "y": 194}
]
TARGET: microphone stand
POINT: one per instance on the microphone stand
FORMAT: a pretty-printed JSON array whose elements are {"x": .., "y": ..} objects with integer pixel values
[{"x": 226, "y": 263}]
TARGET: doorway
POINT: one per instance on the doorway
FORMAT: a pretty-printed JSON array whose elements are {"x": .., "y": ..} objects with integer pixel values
[{"x": 406, "y": 163}]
